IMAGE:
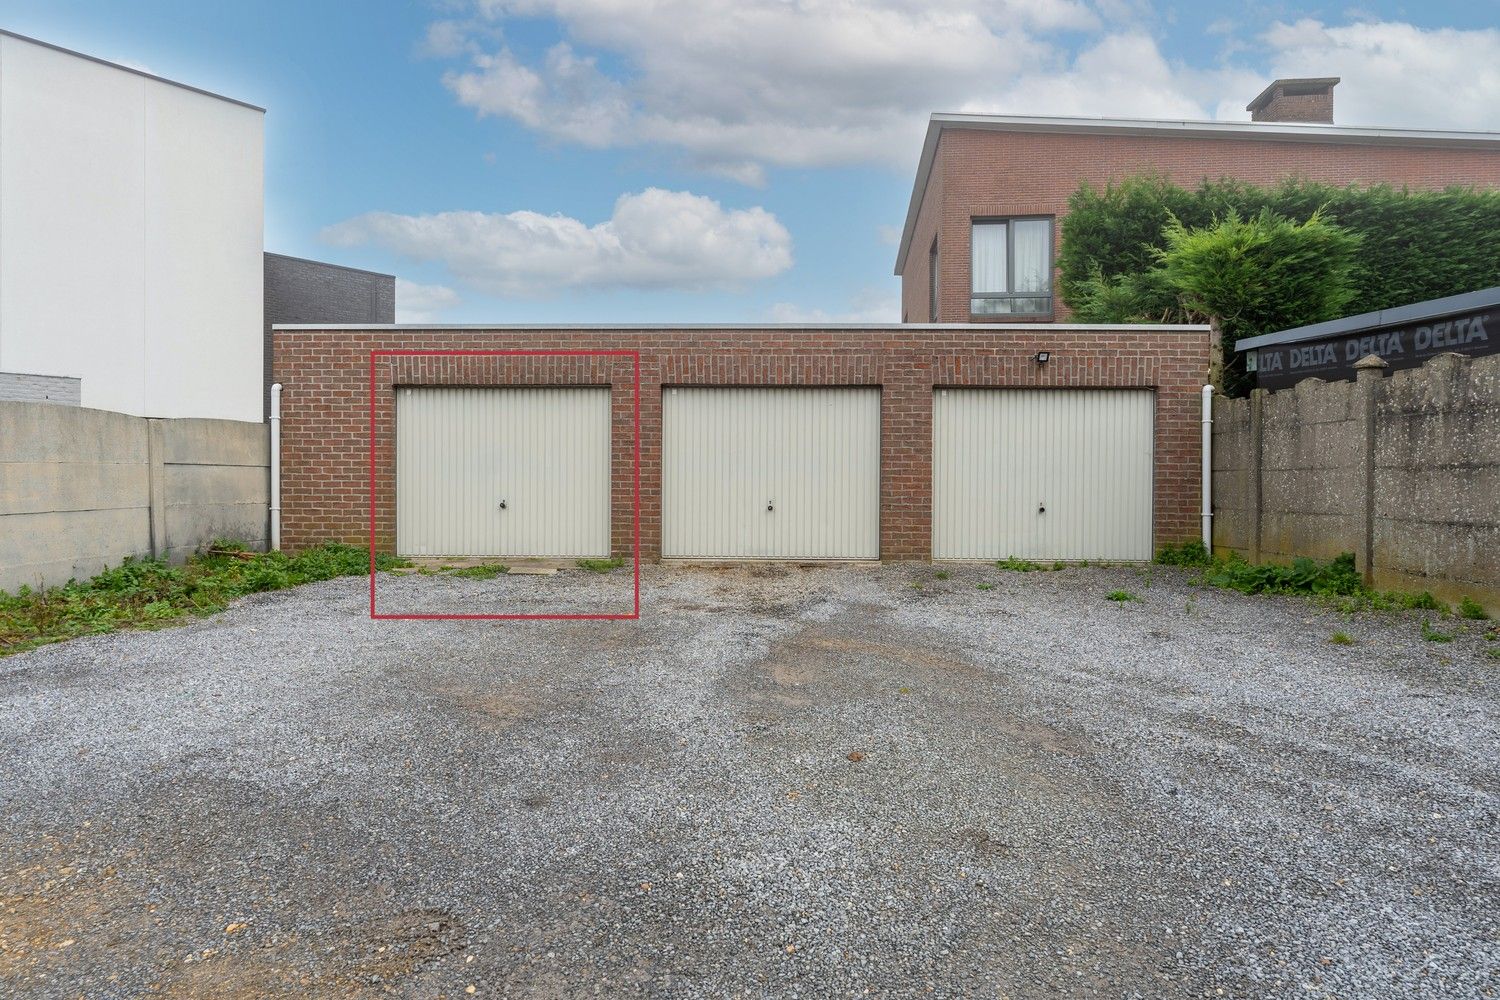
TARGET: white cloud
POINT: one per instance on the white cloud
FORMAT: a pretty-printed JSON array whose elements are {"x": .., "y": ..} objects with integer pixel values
[
  {"x": 873, "y": 306},
  {"x": 736, "y": 86},
  {"x": 422, "y": 303},
  {"x": 1395, "y": 73},
  {"x": 654, "y": 239},
  {"x": 1124, "y": 76}
]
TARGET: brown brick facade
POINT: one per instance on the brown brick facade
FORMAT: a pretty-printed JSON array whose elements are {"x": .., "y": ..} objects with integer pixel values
[
  {"x": 979, "y": 173},
  {"x": 325, "y": 376}
]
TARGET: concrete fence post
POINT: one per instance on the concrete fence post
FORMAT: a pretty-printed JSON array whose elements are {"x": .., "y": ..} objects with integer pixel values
[
  {"x": 1257, "y": 468},
  {"x": 156, "y": 478},
  {"x": 1369, "y": 371}
]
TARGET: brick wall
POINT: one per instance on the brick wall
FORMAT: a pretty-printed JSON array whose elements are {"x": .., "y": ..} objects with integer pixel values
[
  {"x": 22, "y": 388},
  {"x": 988, "y": 173},
  {"x": 1291, "y": 107},
  {"x": 325, "y": 405},
  {"x": 311, "y": 291}
]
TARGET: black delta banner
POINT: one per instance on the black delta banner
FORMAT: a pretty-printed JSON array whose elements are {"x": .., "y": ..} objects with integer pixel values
[{"x": 1407, "y": 346}]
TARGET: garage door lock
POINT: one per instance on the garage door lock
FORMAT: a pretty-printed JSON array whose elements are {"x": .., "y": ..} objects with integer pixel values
[
  {"x": 770, "y": 505},
  {"x": 1041, "y": 508},
  {"x": 502, "y": 504}
]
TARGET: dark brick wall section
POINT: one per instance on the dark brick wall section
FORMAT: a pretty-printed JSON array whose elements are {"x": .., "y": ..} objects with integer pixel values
[
  {"x": 984, "y": 173},
  {"x": 325, "y": 405},
  {"x": 310, "y": 291},
  {"x": 1287, "y": 107}
]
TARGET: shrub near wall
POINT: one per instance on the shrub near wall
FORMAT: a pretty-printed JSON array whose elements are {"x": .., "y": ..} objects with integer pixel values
[{"x": 1414, "y": 245}]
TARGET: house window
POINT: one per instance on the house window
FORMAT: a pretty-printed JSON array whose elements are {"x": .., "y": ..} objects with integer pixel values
[
  {"x": 1012, "y": 267},
  {"x": 932, "y": 283}
]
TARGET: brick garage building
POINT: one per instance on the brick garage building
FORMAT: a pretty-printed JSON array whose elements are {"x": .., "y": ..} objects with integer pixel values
[
  {"x": 326, "y": 375},
  {"x": 992, "y": 188}
]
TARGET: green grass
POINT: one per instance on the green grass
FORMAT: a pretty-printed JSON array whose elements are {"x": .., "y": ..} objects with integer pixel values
[
  {"x": 1304, "y": 576},
  {"x": 1493, "y": 654},
  {"x": 484, "y": 571},
  {"x": 1433, "y": 635},
  {"x": 601, "y": 565},
  {"x": 1186, "y": 554},
  {"x": 1020, "y": 565},
  {"x": 941, "y": 574},
  {"x": 151, "y": 594},
  {"x": 1341, "y": 639},
  {"x": 1472, "y": 610},
  {"x": 984, "y": 586},
  {"x": 1120, "y": 595}
]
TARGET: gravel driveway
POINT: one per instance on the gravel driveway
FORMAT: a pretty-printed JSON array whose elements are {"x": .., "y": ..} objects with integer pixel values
[{"x": 779, "y": 782}]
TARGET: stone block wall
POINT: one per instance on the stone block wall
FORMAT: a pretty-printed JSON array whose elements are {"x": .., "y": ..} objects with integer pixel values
[
  {"x": 82, "y": 489},
  {"x": 1401, "y": 470}
]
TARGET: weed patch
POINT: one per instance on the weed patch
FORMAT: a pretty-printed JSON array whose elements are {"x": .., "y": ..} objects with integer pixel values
[
  {"x": 1186, "y": 554},
  {"x": 1433, "y": 635},
  {"x": 601, "y": 565},
  {"x": 1341, "y": 639},
  {"x": 1120, "y": 595},
  {"x": 484, "y": 571},
  {"x": 1025, "y": 565},
  {"x": 1472, "y": 610},
  {"x": 984, "y": 586},
  {"x": 941, "y": 574},
  {"x": 1303, "y": 576},
  {"x": 147, "y": 594}
]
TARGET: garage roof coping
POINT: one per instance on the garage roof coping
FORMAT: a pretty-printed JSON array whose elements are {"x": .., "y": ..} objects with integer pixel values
[{"x": 811, "y": 327}]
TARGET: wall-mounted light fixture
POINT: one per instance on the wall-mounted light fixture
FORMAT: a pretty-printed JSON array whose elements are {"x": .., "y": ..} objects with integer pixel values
[{"x": 1042, "y": 357}]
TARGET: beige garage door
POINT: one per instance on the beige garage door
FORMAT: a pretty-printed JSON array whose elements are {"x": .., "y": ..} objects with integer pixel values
[
  {"x": 503, "y": 472},
  {"x": 1042, "y": 473},
  {"x": 771, "y": 473}
]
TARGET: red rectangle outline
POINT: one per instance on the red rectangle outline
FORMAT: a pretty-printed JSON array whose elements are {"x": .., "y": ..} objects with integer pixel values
[{"x": 635, "y": 357}]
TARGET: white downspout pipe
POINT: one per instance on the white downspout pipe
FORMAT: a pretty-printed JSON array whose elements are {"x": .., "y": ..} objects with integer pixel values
[
  {"x": 276, "y": 467},
  {"x": 1208, "y": 467}
]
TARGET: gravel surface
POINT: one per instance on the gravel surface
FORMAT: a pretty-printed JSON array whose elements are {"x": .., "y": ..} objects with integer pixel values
[{"x": 781, "y": 781}]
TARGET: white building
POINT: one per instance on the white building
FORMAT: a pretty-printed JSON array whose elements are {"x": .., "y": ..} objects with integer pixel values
[{"x": 130, "y": 236}]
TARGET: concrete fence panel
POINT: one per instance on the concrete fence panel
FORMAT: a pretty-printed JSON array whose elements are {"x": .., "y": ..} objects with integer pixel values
[
  {"x": 1402, "y": 471},
  {"x": 84, "y": 489},
  {"x": 1437, "y": 476}
]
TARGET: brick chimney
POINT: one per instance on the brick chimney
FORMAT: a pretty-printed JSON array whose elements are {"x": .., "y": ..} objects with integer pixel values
[{"x": 1304, "y": 99}]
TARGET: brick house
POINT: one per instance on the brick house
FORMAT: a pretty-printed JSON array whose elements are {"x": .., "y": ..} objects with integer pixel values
[{"x": 982, "y": 236}]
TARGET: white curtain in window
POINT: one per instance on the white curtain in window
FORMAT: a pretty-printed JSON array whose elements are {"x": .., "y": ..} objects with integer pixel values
[
  {"x": 1033, "y": 249},
  {"x": 989, "y": 258}
]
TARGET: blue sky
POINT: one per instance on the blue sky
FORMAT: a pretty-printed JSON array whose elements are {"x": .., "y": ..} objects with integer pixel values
[{"x": 712, "y": 160}]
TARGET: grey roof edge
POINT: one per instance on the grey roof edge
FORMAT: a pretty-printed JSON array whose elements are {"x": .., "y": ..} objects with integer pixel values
[
  {"x": 1059, "y": 328},
  {"x": 129, "y": 69},
  {"x": 1260, "y": 131},
  {"x": 325, "y": 263},
  {"x": 1416, "y": 312}
]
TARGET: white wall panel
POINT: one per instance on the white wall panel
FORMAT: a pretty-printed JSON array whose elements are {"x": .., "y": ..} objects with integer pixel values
[
  {"x": 130, "y": 236},
  {"x": 812, "y": 454},
  {"x": 1000, "y": 456},
  {"x": 544, "y": 451}
]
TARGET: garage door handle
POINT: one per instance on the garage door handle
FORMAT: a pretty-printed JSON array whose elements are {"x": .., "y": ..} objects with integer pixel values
[
  {"x": 502, "y": 504},
  {"x": 770, "y": 505},
  {"x": 1040, "y": 508}
]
